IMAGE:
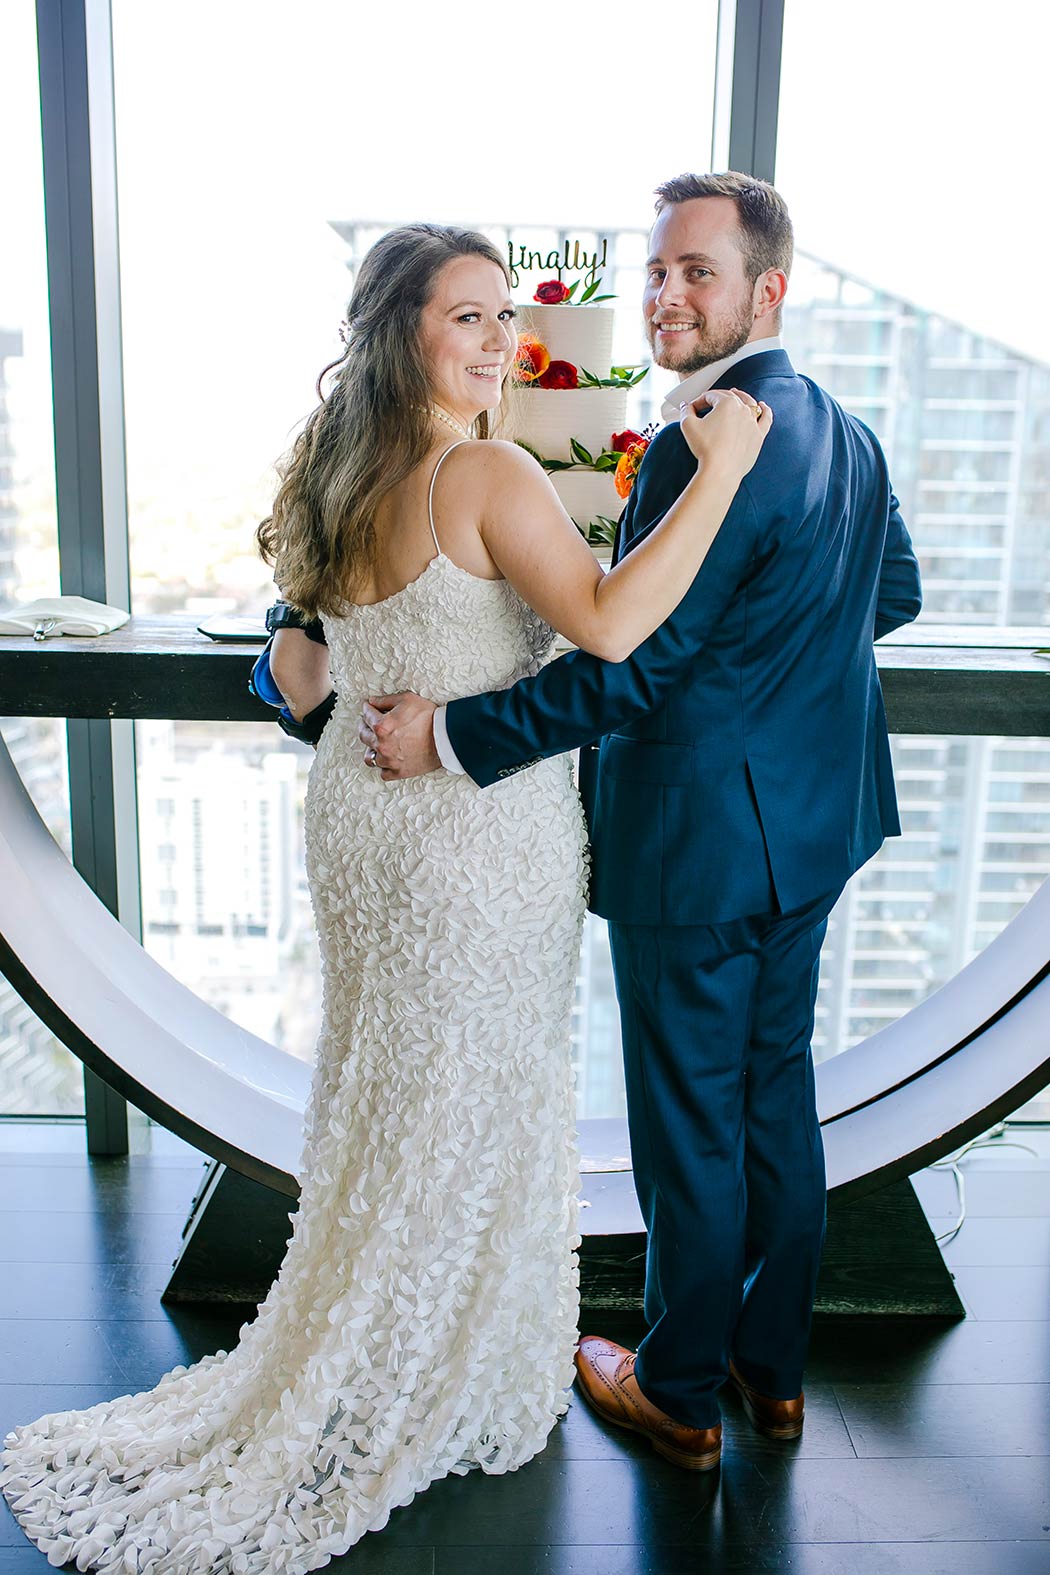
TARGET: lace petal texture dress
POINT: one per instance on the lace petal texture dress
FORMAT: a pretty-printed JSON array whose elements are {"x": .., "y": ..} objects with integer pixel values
[{"x": 423, "y": 1321}]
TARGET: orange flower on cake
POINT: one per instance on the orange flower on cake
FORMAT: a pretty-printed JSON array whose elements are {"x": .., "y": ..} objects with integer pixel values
[
  {"x": 628, "y": 466},
  {"x": 532, "y": 360}
]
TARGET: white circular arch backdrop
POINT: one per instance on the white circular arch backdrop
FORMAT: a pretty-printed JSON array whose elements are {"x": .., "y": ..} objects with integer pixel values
[{"x": 964, "y": 1058}]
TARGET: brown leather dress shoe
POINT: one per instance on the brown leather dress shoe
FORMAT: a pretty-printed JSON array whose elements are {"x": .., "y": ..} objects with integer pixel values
[
  {"x": 774, "y": 1418},
  {"x": 608, "y": 1384}
]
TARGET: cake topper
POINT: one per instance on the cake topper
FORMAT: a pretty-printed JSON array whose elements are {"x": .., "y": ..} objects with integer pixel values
[{"x": 572, "y": 258}]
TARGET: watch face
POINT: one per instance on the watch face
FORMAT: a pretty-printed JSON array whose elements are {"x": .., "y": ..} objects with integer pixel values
[{"x": 283, "y": 616}]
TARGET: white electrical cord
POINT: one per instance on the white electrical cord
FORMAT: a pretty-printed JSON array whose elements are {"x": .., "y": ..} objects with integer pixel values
[{"x": 993, "y": 1138}]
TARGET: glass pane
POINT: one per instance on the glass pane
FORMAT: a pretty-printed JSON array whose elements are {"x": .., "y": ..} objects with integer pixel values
[
  {"x": 225, "y": 906},
  {"x": 239, "y": 237},
  {"x": 237, "y": 234},
  {"x": 910, "y": 302},
  {"x": 38, "y": 1076},
  {"x": 975, "y": 815},
  {"x": 916, "y": 229}
]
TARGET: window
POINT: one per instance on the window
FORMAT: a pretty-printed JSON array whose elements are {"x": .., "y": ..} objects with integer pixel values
[
  {"x": 266, "y": 199},
  {"x": 38, "y": 1076},
  {"x": 933, "y": 898},
  {"x": 264, "y": 210},
  {"x": 964, "y": 364}
]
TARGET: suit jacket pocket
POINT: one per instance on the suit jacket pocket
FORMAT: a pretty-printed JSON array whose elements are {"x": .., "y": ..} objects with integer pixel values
[{"x": 631, "y": 760}]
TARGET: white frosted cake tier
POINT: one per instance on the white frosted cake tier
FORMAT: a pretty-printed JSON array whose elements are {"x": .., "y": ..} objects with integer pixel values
[
  {"x": 580, "y": 334},
  {"x": 546, "y": 418},
  {"x": 586, "y": 494}
]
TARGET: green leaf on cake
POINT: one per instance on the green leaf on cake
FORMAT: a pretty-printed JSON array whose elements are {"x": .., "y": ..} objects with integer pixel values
[
  {"x": 628, "y": 376},
  {"x": 590, "y": 291},
  {"x": 619, "y": 377},
  {"x": 607, "y": 460},
  {"x": 572, "y": 290},
  {"x": 579, "y": 453},
  {"x": 597, "y": 532},
  {"x": 549, "y": 465}
]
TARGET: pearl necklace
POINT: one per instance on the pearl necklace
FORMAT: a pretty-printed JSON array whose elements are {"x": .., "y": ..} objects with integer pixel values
[{"x": 443, "y": 416}]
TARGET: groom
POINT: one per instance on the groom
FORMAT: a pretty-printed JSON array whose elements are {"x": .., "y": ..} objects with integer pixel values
[{"x": 737, "y": 772}]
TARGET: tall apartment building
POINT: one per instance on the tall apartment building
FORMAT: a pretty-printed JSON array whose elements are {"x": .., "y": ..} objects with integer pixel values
[{"x": 965, "y": 423}]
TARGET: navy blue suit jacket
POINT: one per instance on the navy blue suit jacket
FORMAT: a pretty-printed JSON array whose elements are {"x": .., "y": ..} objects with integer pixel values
[{"x": 744, "y": 761}]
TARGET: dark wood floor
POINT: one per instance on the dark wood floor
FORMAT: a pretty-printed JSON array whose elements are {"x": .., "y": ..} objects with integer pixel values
[{"x": 926, "y": 1449}]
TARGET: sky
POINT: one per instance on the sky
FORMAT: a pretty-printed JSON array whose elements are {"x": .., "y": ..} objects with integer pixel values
[{"x": 911, "y": 140}]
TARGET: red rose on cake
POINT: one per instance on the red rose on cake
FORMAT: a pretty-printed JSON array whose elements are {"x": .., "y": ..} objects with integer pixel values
[
  {"x": 532, "y": 360},
  {"x": 551, "y": 293},
  {"x": 621, "y": 441},
  {"x": 560, "y": 374}
]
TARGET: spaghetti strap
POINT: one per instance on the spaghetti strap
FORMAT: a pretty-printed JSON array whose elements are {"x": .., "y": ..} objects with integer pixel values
[{"x": 430, "y": 498}]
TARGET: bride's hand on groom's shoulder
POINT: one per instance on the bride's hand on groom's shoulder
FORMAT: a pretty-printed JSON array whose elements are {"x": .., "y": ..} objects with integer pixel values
[
  {"x": 398, "y": 734},
  {"x": 730, "y": 432}
]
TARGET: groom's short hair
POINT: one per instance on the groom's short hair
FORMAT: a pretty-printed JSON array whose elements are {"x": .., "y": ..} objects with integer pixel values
[{"x": 765, "y": 225}]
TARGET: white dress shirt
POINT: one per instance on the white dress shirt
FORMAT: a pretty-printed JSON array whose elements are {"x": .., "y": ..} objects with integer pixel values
[
  {"x": 690, "y": 388},
  {"x": 698, "y": 383}
]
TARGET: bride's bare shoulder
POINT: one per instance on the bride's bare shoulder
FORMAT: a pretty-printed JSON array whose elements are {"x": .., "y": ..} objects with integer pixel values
[{"x": 497, "y": 460}]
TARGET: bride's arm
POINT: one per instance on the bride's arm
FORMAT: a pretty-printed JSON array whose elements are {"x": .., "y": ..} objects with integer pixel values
[
  {"x": 299, "y": 668},
  {"x": 537, "y": 547}
]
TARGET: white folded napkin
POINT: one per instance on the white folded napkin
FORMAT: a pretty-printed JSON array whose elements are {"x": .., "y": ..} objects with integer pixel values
[{"x": 61, "y": 615}]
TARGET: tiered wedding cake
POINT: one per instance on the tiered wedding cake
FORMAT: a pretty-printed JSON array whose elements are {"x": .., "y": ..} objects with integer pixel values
[{"x": 570, "y": 408}]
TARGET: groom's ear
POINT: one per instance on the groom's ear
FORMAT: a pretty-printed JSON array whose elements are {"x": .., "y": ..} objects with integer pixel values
[{"x": 770, "y": 290}]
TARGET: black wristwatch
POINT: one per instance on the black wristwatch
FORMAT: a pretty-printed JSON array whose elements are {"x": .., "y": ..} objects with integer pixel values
[{"x": 282, "y": 615}]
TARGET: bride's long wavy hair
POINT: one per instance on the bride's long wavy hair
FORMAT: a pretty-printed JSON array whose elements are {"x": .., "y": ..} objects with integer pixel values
[{"x": 371, "y": 428}]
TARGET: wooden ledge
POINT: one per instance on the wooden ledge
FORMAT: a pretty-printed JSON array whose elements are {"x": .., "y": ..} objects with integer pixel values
[{"x": 162, "y": 667}]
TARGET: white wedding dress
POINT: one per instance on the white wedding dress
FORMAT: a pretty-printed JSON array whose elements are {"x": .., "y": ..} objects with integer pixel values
[{"x": 424, "y": 1319}]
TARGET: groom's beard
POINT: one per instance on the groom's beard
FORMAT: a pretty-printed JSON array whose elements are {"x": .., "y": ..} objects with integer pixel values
[{"x": 707, "y": 344}]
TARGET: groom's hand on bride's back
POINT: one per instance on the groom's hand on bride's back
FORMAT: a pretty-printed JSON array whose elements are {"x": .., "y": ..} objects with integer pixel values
[{"x": 398, "y": 734}]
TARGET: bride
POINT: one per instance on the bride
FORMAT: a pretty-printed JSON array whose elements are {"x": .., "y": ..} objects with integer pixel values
[{"x": 424, "y": 1318}]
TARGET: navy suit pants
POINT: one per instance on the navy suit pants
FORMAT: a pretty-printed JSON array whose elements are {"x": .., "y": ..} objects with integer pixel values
[{"x": 728, "y": 1158}]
